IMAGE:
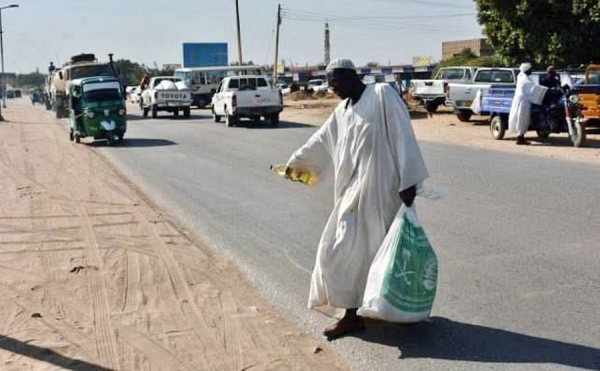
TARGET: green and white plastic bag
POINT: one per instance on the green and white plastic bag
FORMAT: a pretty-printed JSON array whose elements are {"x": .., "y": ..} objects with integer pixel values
[{"x": 402, "y": 280}]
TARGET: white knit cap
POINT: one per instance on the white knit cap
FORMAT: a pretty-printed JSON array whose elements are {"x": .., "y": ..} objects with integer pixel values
[
  {"x": 340, "y": 63},
  {"x": 525, "y": 67}
]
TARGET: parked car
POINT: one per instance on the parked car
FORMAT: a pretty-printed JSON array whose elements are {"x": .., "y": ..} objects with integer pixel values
[
  {"x": 432, "y": 93},
  {"x": 462, "y": 95},
  {"x": 248, "y": 96},
  {"x": 317, "y": 85}
]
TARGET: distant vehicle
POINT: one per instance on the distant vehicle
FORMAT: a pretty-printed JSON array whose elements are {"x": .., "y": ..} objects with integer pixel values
[
  {"x": 285, "y": 88},
  {"x": 166, "y": 93},
  {"x": 247, "y": 97},
  {"x": 134, "y": 94},
  {"x": 432, "y": 93},
  {"x": 317, "y": 85},
  {"x": 203, "y": 81},
  {"x": 80, "y": 66}
]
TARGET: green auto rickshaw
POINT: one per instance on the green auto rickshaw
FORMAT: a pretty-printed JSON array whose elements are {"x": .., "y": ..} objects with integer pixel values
[{"x": 97, "y": 109}]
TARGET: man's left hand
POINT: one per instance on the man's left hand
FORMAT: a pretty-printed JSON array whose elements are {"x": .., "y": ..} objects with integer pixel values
[{"x": 408, "y": 195}]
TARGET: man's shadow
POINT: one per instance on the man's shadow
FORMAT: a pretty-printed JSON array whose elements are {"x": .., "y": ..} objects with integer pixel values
[{"x": 441, "y": 338}]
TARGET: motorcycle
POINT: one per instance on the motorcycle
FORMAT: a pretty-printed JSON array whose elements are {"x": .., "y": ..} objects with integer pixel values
[{"x": 561, "y": 112}]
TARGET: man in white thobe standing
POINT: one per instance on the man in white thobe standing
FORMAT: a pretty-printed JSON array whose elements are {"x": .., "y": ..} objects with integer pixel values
[
  {"x": 369, "y": 143},
  {"x": 519, "y": 118}
]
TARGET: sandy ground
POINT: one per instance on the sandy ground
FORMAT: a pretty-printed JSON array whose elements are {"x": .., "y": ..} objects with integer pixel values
[
  {"x": 94, "y": 277},
  {"x": 444, "y": 127}
]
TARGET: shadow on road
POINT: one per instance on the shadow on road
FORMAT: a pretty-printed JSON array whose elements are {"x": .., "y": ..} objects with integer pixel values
[
  {"x": 445, "y": 339},
  {"x": 46, "y": 355},
  {"x": 136, "y": 143},
  {"x": 562, "y": 140},
  {"x": 166, "y": 116}
]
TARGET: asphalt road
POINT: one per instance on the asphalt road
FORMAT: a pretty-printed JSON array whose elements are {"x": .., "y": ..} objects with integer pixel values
[{"x": 518, "y": 242}]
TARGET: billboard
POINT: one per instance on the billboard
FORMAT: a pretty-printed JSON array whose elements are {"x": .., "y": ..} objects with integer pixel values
[{"x": 205, "y": 54}]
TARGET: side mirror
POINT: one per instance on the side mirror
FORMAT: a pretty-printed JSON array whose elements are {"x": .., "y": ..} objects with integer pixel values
[{"x": 60, "y": 75}]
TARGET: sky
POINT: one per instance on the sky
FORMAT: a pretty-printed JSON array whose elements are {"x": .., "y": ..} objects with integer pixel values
[{"x": 148, "y": 31}]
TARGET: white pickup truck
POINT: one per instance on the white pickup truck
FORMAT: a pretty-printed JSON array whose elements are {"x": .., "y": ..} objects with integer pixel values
[
  {"x": 248, "y": 96},
  {"x": 461, "y": 96},
  {"x": 432, "y": 93},
  {"x": 166, "y": 93}
]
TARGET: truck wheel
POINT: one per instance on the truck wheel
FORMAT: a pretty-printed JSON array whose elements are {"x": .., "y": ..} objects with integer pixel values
[
  {"x": 154, "y": 111},
  {"x": 187, "y": 112},
  {"x": 497, "y": 128},
  {"x": 176, "y": 112},
  {"x": 274, "y": 119},
  {"x": 464, "y": 115},
  {"x": 145, "y": 112},
  {"x": 216, "y": 118},
  {"x": 230, "y": 120}
]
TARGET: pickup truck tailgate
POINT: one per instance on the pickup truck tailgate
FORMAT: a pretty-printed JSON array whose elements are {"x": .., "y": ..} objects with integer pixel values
[
  {"x": 173, "y": 95},
  {"x": 258, "y": 98},
  {"x": 428, "y": 88}
]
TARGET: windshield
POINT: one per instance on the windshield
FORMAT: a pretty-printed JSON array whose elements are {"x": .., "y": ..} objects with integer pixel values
[
  {"x": 102, "y": 95},
  {"x": 451, "y": 74},
  {"x": 79, "y": 72}
]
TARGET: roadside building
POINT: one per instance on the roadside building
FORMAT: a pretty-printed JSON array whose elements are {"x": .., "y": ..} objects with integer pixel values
[{"x": 479, "y": 47}]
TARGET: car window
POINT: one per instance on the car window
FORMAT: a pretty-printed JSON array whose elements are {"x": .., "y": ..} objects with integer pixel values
[
  {"x": 234, "y": 84},
  {"x": 262, "y": 83},
  {"x": 494, "y": 76},
  {"x": 220, "y": 88},
  {"x": 451, "y": 74}
]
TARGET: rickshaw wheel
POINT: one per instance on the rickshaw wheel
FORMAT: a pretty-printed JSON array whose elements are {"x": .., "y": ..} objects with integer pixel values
[
  {"x": 77, "y": 138},
  {"x": 497, "y": 128},
  {"x": 71, "y": 136},
  {"x": 580, "y": 135},
  {"x": 110, "y": 140}
]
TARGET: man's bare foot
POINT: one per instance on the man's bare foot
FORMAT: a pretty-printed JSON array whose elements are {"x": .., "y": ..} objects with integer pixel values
[{"x": 344, "y": 326}]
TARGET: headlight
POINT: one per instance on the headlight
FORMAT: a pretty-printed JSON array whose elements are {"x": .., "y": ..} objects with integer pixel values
[
  {"x": 574, "y": 99},
  {"x": 90, "y": 114},
  {"x": 122, "y": 111}
]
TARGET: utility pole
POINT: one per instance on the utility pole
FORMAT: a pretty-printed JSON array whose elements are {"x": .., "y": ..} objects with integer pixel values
[
  {"x": 277, "y": 44},
  {"x": 2, "y": 56},
  {"x": 327, "y": 45},
  {"x": 239, "y": 33}
]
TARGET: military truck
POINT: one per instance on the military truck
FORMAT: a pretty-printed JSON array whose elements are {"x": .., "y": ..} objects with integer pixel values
[{"x": 80, "y": 66}]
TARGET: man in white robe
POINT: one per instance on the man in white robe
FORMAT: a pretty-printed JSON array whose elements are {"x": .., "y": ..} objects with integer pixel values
[
  {"x": 519, "y": 118},
  {"x": 369, "y": 143}
]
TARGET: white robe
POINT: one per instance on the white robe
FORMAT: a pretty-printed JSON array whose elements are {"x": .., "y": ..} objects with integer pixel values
[
  {"x": 526, "y": 93},
  {"x": 371, "y": 165}
]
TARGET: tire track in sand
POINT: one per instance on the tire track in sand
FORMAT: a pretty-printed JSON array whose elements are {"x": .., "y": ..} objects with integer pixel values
[
  {"x": 105, "y": 338},
  {"x": 187, "y": 306}
]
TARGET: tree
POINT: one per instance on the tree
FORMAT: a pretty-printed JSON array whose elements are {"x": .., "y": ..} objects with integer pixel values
[
  {"x": 468, "y": 58},
  {"x": 543, "y": 32}
]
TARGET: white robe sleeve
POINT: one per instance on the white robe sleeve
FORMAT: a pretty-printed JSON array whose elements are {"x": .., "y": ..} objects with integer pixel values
[
  {"x": 405, "y": 149},
  {"x": 316, "y": 154}
]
